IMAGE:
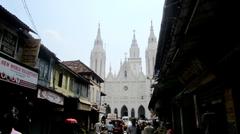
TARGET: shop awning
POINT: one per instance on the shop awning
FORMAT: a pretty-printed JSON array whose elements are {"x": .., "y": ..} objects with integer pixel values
[{"x": 84, "y": 105}]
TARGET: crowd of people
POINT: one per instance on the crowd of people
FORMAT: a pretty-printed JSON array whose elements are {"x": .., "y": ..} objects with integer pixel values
[{"x": 135, "y": 127}]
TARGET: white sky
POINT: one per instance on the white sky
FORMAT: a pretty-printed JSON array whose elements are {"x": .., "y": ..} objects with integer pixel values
[{"x": 69, "y": 27}]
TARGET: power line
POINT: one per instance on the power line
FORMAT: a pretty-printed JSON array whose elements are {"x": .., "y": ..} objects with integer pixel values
[{"x": 30, "y": 17}]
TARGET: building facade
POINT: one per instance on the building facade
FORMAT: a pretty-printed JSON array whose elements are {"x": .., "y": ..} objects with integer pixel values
[
  {"x": 196, "y": 68},
  {"x": 95, "y": 89},
  {"x": 18, "y": 75},
  {"x": 128, "y": 91},
  {"x": 38, "y": 92}
]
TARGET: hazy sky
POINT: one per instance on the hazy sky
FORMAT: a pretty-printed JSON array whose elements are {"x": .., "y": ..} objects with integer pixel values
[{"x": 69, "y": 27}]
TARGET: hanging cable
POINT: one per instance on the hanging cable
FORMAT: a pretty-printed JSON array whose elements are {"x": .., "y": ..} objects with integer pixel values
[{"x": 30, "y": 17}]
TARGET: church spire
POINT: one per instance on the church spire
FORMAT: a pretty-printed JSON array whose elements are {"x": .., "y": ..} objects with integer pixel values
[
  {"x": 98, "y": 55},
  {"x": 98, "y": 33},
  {"x": 134, "y": 41},
  {"x": 98, "y": 40},
  {"x": 134, "y": 50},
  {"x": 152, "y": 37},
  {"x": 151, "y": 25},
  {"x": 150, "y": 54}
]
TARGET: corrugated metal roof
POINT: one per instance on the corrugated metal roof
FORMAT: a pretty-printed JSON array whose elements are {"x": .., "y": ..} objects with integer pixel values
[{"x": 11, "y": 19}]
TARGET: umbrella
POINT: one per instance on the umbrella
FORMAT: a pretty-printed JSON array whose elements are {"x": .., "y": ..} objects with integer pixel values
[{"x": 71, "y": 121}]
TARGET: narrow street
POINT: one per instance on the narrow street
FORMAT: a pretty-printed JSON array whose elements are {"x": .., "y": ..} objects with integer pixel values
[{"x": 119, "y": 67}]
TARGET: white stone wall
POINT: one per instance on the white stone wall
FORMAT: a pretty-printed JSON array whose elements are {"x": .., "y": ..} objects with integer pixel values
[{"x": 133, "y": 97}]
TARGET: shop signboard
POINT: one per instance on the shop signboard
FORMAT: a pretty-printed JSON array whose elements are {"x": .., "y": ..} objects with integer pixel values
[
  {"x": 50, "y": 96},
  {"x": 17, "y": 74}
]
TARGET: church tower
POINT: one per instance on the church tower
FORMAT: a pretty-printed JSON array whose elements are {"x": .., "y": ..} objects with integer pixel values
[
  {"x": 98, "y": 56},
  {"x": 150, "y": 53},
  {"x": 134, "y": 58}
]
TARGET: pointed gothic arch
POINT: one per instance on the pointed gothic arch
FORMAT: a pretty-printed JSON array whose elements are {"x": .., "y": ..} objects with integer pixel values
[
  {"x": 132, "y": 112},
  {"x": 116, "y": 111},
  {"x": 141, "y": 112},
  {"x": 124, "y": 111},
  {"x": 108, "y": 109}
]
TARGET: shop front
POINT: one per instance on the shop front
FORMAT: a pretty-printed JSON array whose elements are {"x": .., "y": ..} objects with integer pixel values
[
  {"x": 47, "y": 114},
  {"x": 17, "y": 91}
]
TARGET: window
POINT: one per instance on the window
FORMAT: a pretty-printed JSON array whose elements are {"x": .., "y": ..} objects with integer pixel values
[
  {"x": 66, "y": 82},
  {"x": 43, "y": 70},
  {"x": 125, "y": 88},
  {"x": 84, "y": 91},
  {"x": 60, "y": 79},
  {"x": 76, "y": 87},
  {"x": 116, "y": 111},
  {"x": 71, "y": 84},
  {"x": 132, "y": 113},
  {"x": 125, "y": 73},
  {"x": 8, "y": 42}
]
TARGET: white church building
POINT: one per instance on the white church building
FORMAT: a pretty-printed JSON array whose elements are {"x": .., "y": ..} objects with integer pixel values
[{"x": 128, "y": 92}]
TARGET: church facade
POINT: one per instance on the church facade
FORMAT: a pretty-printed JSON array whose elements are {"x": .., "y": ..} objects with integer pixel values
[{"x": 128, "y": 92}]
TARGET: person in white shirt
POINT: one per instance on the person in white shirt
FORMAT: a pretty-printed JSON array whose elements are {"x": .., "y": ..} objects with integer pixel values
[
  {"x": 133, "y": 128},
  {"x": 98, "y": 127}
]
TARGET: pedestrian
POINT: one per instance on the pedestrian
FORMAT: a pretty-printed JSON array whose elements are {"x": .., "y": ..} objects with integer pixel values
[
  {"x": 133, "y": 128},
  {"x": 169, "y": 128},
  {"x": 110, "y": 127},
  {"x": 118, "y": 128},
  {"x": 97, "y": 127},
  {"x": 8, "y": 121},
  {"x": 148, "y": 129}
]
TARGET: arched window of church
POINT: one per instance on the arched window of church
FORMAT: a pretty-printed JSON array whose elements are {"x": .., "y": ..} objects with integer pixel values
[
  {"x": 141, "y": 112},
  {"x": 125, "y": 73},
  {"x": 108, "y": 109},
  {"x": 116, "y": 111},
  {"x": 124, "y": 111},
  {"x": 132, "y": 113}
]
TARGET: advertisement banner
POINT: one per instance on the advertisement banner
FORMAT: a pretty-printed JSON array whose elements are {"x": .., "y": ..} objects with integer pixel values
[{"x": 17, "y": 74}]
